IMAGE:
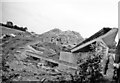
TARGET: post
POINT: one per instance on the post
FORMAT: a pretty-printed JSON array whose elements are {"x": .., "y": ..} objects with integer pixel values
[
  {"x": 117, "y": 55},
  {"x": 118, "y": 20}
]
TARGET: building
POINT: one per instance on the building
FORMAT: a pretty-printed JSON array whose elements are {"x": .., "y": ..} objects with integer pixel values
[{"x": 105, "y": 36}]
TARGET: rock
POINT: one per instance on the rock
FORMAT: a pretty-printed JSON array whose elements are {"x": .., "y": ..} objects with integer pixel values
[{"x": 62, "y": 37}]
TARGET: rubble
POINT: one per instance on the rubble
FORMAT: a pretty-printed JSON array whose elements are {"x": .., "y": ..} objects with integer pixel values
[
  {"x": 27, "y": 57},
  {"x": 18, "y": 66}
]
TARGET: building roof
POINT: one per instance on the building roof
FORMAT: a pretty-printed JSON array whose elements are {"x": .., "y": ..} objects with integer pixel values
[{"x": 105, "y": 34}]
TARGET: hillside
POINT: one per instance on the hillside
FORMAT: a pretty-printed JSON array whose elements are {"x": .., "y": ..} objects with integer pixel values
[
  {"x": 59, "y": 37},
  {"x": 25, "y": 56},
  {"x": 19, "y": 66}
]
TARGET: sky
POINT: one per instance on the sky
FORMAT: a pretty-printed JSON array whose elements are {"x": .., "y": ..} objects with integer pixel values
[{"x": 84, "y": 16}]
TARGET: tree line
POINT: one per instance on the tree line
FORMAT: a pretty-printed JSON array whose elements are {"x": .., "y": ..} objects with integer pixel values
[{"x": 10, "y": 24}]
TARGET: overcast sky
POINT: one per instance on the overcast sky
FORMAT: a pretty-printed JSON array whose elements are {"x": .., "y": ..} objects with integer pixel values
[{"x": 83, "y": 16}]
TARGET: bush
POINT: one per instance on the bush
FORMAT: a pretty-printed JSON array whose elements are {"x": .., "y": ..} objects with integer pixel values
[{"x": 90, "y": 70}]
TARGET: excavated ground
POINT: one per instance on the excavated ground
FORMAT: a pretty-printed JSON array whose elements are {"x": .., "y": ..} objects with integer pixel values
[{"x": 17, "y": 65}]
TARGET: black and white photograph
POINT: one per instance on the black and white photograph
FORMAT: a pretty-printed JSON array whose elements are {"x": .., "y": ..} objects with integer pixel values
[{"x": 59, "y": 41}]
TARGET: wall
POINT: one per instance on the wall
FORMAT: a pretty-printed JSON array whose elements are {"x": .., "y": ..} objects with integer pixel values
[{"x": 68, "y": 57}]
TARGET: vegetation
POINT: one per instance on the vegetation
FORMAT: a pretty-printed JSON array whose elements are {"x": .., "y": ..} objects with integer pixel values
[
  {"x": 89, "y": 70},
  {"x": 9, "y": 24}
]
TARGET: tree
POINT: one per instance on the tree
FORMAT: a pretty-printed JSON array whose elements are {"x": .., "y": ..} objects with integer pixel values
[
  {"x": 25, "y": 28},
  {"x": 9, "y": 23}
]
